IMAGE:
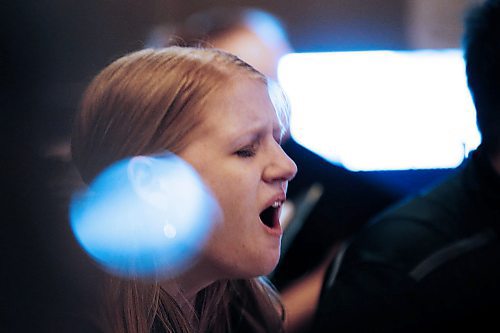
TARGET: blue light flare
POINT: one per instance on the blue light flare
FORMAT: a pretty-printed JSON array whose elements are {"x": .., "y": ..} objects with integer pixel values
[{"x": 147, "y": 216}]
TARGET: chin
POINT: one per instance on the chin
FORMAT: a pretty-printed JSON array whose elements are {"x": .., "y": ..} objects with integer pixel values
[
  {"x": 269, "y": 265},
  {"x": 264, "y": 267}
]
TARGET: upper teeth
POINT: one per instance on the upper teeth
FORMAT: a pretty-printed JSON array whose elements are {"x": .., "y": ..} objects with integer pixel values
[{"x": 276, "y": 204}]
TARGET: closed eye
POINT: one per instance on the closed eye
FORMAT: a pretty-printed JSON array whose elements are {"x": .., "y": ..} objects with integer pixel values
[
  {"x": 250, "y": 147},
  {"x": 246, "y": 152}
]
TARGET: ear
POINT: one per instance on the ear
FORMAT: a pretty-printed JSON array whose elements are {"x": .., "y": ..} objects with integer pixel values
[{"x": 140, "y": 173}]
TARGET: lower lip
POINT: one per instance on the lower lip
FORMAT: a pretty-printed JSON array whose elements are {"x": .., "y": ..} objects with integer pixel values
[{"x": 275, "y": 230}]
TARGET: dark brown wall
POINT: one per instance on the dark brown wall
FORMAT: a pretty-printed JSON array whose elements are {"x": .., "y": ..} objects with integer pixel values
[
  {"x": 100, "y": 29},
  {"x": 54, "y": 47},
  {"x": 320, "y": 25}
]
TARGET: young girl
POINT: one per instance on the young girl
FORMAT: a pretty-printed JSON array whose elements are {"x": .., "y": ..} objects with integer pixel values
[{"x": 220, "y": 115}]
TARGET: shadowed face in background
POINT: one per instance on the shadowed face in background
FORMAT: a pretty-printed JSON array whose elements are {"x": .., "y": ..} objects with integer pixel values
[{"x": 261, "y": 47}]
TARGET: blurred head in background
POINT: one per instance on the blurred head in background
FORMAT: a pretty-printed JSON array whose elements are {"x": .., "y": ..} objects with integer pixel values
[
  {"x": 255, "y": 36},
  {"x": 482, "y": 56}
]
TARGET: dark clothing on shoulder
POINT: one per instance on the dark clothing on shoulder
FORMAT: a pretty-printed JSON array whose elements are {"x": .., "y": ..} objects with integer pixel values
[
  {"x": 347, "y": 201},
  {"x": 431, "y": 262}
]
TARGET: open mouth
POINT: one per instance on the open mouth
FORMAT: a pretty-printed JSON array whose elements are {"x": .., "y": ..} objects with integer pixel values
[{"x": 270, "y": 215}]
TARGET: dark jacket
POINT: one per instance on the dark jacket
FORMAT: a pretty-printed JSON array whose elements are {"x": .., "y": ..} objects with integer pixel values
[
  {"x": 431, "y": 262},
  {"x": 348, "y": 200}
]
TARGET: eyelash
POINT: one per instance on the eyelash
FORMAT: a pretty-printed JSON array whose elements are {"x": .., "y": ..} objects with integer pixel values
[{"x": 246, "y": 152}]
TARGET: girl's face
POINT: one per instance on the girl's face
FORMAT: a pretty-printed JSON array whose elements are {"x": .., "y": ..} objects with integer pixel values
[{"x": 237, "y": 152}]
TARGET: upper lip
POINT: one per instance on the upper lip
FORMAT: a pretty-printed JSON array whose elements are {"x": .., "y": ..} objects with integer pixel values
[{"x": 280, "y": 197}]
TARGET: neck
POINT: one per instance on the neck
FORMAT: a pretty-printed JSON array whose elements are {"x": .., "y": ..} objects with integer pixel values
[{"x": 184, "y": 287}]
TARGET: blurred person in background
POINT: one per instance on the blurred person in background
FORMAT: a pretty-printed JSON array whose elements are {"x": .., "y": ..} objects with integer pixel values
[
  {"x": 431, "y": 263},
  {"x": 327, "y": 203}
]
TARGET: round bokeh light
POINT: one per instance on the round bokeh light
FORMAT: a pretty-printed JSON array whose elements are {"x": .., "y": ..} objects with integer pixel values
[{"x": 147, "y": 216}]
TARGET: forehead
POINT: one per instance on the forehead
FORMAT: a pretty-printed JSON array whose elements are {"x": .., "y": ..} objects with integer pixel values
[{"x": 236, "y": 106}]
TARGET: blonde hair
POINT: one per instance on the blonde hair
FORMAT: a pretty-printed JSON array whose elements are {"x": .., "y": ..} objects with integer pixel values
[{"x": 145, "y": 103}]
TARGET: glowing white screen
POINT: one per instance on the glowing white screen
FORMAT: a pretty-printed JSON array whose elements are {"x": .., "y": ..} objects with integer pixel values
[{"x": 382, "y": 110}]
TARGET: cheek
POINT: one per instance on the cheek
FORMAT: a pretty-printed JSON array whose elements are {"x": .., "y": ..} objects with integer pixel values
[
  {"x": 238, "y": 201},
  {"x": 233, "y": 198},
  {"x": 234, "y": 185}
]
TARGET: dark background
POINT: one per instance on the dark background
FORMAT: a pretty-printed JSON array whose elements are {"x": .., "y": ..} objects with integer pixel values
[
  {"x": 49, "y": 51},
  {"x": 54, "y": 47}
]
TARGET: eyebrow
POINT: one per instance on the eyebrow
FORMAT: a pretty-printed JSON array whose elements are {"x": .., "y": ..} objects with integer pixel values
[
  {"x": 255, "y": 132},
  {"x": 251, "y": 136}
]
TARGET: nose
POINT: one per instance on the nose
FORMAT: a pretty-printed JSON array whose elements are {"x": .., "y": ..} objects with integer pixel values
[{"x": 281, "y": 168}]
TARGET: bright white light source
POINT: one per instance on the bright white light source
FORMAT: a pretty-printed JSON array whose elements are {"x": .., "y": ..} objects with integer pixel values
[{"x": 382, "y": 110}]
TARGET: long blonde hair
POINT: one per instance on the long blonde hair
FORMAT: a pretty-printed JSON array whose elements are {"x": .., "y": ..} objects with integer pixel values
[{"x": 145, "y": 103}]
